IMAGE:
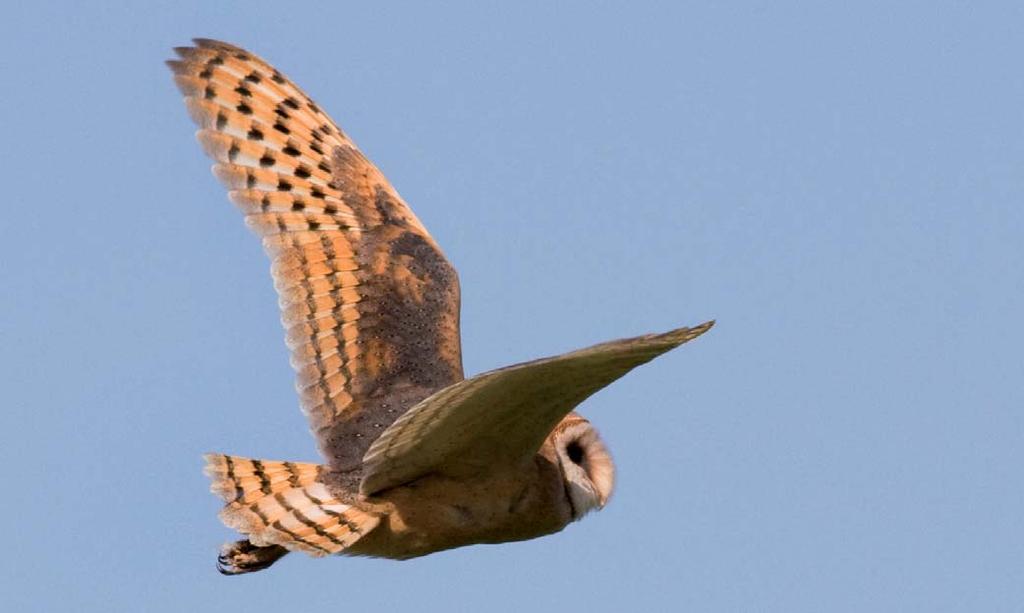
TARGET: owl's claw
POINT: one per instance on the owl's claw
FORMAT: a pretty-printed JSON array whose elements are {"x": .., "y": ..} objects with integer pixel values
[{"x": 243, "y": 557}]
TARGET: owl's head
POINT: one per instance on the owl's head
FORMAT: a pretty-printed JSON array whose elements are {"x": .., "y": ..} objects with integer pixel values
[{"x": 587, "y": 469}]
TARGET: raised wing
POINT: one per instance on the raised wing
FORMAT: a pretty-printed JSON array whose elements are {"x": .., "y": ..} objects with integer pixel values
[
  {"x": 504, "y": 415},
  {"x": 369, "y": 302}
]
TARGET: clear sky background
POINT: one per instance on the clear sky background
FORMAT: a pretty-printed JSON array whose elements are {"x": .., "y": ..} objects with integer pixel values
[{"x": 840, "y": 185}]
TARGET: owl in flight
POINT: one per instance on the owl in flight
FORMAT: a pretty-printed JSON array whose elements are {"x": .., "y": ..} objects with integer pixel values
[{"x": 418, "y": 458}]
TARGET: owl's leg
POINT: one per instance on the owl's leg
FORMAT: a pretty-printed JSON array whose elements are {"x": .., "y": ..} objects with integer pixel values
[{"x": 244, "y": 557}]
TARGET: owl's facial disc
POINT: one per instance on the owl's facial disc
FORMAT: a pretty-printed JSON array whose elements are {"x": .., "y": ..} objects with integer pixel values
[{"x": 586, "y": 465}]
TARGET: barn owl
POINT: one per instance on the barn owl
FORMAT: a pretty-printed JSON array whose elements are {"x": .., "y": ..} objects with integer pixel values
[{"x": 418, "y": 459}]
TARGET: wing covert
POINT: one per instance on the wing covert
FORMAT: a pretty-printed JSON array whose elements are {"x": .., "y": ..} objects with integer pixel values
[
  {"x": 369, "y": 303},
  {"x": 504, "y": 415}
]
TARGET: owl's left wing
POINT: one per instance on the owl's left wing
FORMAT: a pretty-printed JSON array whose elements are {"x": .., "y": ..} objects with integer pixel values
[{"x": 504, "y": 415}]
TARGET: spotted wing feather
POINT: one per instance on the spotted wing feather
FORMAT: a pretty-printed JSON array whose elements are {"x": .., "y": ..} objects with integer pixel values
[{"x": 369, "y": 303}]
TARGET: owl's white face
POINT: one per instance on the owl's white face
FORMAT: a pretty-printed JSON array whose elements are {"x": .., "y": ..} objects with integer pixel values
[{"x": 586, "y": 465}]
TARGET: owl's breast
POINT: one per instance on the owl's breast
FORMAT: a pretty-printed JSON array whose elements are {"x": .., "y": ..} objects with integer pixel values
[{"x": 439, "y": 512}]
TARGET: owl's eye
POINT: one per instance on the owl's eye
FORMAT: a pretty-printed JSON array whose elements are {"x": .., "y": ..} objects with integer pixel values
[{"x": 575, "y": 452}]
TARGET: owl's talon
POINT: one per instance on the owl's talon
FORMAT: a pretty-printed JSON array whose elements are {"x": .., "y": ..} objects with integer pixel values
[{"x": 243, "y": 557}]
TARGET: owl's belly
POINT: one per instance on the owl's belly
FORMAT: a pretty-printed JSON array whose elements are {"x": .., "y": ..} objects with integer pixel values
[{"x": 437, "y": 513}]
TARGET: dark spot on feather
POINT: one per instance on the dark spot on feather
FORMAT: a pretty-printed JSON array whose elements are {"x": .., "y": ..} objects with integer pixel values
[
  {"x": 324, "y": 166},
  {"x": 221, "y": 120},
  {"x": 388, "y": 210},
  {"x": 283, "y": 129},
  {"x": 316, "y": 147},
  {"x": 277, "y": 78},
  {"x": 316, "y": 192},
  {"x": 244, "y": 108},
  {"x": 292, "y": 151},
  {"x": 233, "y": 152},
  {"x": 209, "y": 92},
  {"x": 313, "y": 225},
  {"x": 302, "y": 172},
  {"x": 284, "y": 186},
  {"x": 298, "y": 205},
  {"x": 291, "y": 103},
  {"x": 266, "y": 160},
  {"x": 253, "y": 77},
  {"x": 243, "y": 91},
  {"x": 255, "y": 134}
]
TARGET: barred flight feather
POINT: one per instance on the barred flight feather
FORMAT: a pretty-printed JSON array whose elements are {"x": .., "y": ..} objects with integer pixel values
[{"x": 283, "y": 503}]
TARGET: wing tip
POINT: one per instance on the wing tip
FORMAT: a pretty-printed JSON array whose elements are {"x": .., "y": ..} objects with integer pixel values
[
  {"x": 213, "y": 43},
  {"x": 186, "y": 52},
  {"x": 704, "y": 327},
  {"x": 681, "y": 335}
]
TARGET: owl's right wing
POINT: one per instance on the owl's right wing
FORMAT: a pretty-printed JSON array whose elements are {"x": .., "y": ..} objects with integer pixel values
[
  {"x": 370, "y": 304},
  {"x": 503, "y": 416}
]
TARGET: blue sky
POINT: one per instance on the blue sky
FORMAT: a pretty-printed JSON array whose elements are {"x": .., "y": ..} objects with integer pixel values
[{"x": 838, "y": 184}]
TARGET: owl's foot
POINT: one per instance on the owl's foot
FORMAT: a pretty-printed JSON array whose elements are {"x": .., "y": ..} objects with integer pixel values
[{"x": 243, "y": 557}]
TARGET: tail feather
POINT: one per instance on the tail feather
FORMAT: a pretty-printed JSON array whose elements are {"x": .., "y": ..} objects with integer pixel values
[{"x": 283, "y": 504}]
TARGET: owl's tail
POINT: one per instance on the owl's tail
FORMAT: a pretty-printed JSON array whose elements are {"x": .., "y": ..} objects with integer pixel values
[{"x": 280, "y": 507}]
